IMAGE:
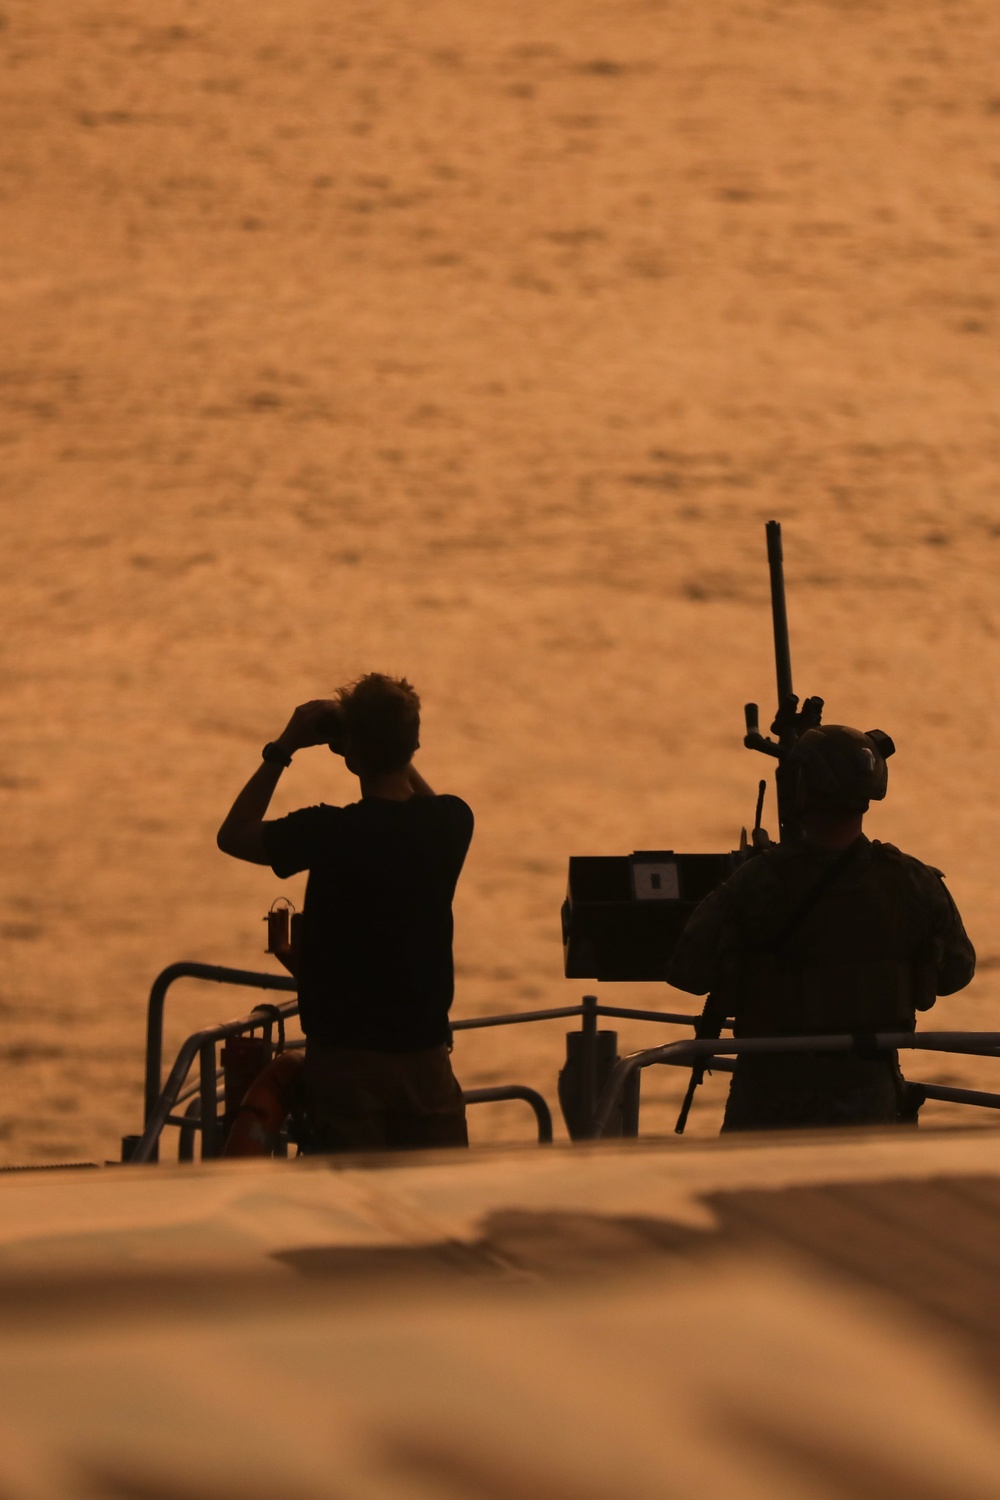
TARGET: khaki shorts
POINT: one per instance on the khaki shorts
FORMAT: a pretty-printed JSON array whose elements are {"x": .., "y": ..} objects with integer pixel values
[{"x": 382, "y": 1101}]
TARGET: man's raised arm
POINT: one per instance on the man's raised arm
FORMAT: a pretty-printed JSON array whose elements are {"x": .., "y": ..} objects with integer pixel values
[{"x": 242, "y": 831}]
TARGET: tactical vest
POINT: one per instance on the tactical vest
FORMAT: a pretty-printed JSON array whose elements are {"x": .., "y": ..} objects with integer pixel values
[{"x": 852, "y": 963}]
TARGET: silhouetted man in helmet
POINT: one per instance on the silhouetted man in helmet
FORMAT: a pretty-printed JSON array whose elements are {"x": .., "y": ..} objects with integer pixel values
[{"x": 830, "y": 934}]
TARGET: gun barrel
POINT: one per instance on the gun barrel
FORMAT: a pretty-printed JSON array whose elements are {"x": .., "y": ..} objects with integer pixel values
[{"x": 779, "y": 613}]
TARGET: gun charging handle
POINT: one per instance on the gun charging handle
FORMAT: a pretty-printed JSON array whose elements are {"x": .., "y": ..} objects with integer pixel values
[{"x": 753, "y": 739}]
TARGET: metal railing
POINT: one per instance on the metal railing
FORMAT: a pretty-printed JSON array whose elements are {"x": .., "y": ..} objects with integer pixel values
[
  {"x": 202, "y": 1115},
  {"x": 216, "y": 973},
  {"x": 189, "y": 1124},
  {"x": 599, "y": 1106},
  {"x": 501, "y": 1091},
  {"x": 589, "y": 1011},
  {"x": 201, "y": 1045},
  {"x": 687, "y": 1054}
]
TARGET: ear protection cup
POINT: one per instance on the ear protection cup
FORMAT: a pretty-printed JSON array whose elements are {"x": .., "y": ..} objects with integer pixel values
[{"x": 843, "y": 766}]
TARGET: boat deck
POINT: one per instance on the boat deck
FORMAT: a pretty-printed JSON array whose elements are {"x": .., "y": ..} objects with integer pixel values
[{"x": 771, "y": 1316}]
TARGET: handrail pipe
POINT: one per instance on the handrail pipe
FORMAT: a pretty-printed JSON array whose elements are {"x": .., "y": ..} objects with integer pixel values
[{"x": 684, "y": 1054}]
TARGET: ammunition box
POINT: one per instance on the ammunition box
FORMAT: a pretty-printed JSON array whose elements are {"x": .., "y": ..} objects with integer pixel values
[{"x": 623, "y": 914}]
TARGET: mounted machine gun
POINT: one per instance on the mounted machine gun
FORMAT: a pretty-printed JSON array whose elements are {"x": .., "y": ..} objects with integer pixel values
[
  {"x": 790, "y": 723},
  {"x": 623, "y": 915}
]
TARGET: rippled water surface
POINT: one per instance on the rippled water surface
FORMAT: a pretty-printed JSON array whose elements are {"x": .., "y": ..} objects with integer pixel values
[{"x": 476, "y": 343}]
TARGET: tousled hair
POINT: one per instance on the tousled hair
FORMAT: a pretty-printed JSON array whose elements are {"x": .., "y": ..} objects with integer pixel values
[{"x": 381, "y": 719}]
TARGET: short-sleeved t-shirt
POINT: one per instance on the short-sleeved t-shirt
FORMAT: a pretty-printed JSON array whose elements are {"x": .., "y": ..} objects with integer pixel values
[{"x": 376, "y": 968}]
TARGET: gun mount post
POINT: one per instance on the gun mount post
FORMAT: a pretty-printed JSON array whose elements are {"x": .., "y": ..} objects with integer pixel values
[{"x": 591, "y": 1056}]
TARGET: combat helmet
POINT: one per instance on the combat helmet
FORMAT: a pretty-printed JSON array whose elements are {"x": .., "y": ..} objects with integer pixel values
[{"x": 842, "y": 766}]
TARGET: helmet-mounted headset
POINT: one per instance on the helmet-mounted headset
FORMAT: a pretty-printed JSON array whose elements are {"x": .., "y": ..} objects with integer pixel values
[{"x": 842, "y": 766}]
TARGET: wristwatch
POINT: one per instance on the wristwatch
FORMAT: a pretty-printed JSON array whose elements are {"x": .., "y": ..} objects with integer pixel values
[{"x": 274, "y": 755}]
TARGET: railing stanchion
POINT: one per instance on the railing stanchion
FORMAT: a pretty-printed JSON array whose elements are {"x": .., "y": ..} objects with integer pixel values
[
  {"x": 588, "y": 1061},
  {"x": 185, "y": 1142},
  {"x": 207, "y": 1095},
  {"x": 630, "y": 1104}
]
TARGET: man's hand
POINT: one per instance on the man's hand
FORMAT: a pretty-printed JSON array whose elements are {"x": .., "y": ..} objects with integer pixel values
[{"x": 314, "y": 723}]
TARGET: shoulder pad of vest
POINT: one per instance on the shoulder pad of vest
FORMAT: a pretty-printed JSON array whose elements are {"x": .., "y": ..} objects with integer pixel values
[
  {"x": 889, "y": 851},
  {"x": 780, "y": 854}
]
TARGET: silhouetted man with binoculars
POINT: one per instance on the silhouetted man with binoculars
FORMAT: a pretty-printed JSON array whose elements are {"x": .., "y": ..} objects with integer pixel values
[{"x": 375, "y": 968}]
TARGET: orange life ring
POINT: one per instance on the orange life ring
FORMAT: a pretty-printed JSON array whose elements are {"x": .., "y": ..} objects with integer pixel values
[{"x": 265, "y": 1108}]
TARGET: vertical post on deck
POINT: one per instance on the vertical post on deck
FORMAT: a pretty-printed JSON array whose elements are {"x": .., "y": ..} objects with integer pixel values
[
  {"x": 588, "y": 1060},
  {"x": 185, "y": 1144},
  {"x": 630, "y": 1103},
  {"x": 210, "y": 1145}
]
